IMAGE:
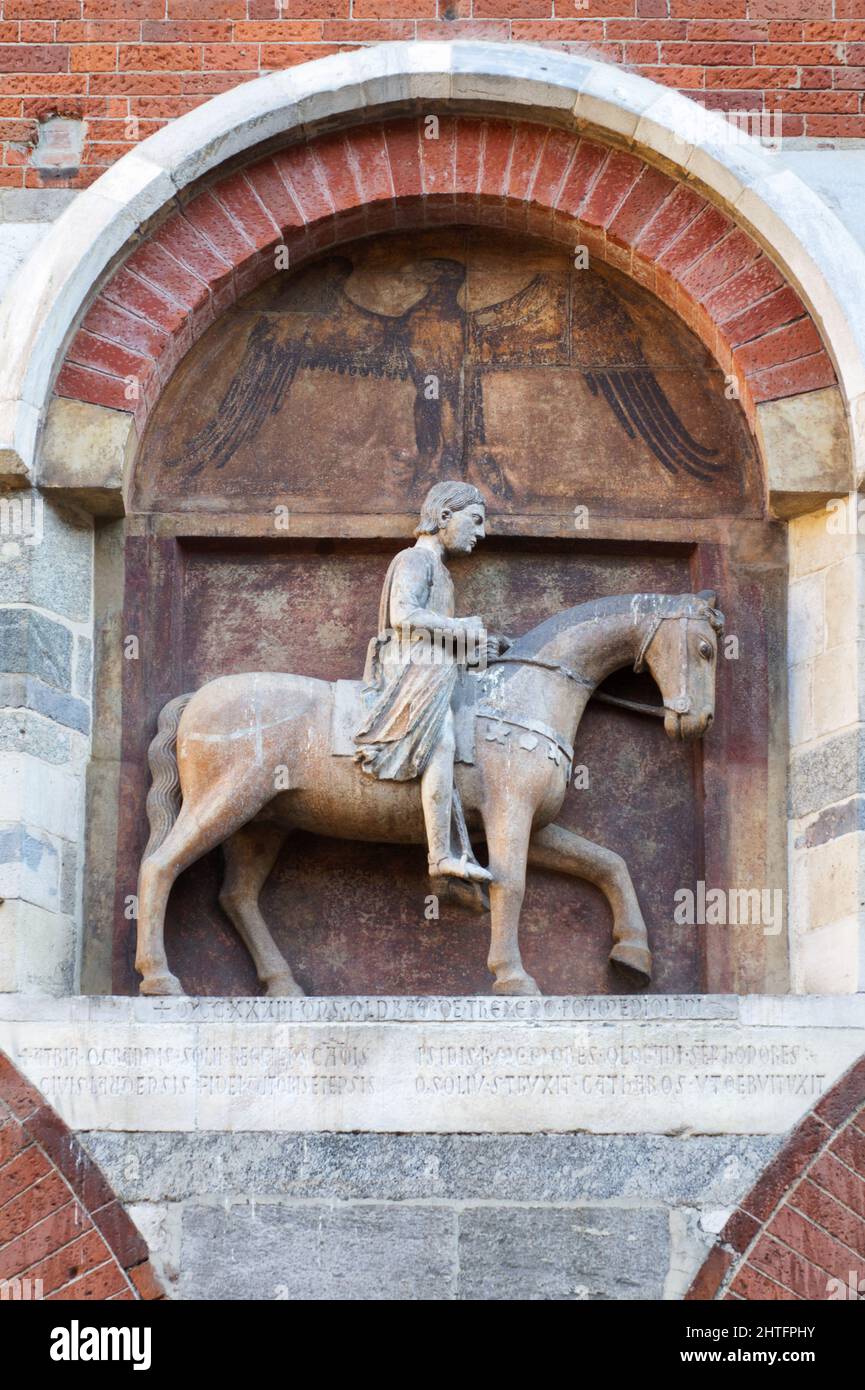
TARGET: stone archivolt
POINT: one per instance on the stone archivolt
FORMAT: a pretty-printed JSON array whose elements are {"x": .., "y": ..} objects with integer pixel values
[{"x": 374, "y": 178}]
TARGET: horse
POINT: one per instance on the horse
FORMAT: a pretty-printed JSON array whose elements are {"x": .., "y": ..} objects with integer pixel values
[{"x": 248, "y": 758}]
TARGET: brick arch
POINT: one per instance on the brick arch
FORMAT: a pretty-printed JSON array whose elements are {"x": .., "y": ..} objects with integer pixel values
[
  {"x": 60, "y": 1222},
  {"x": 803, "y": 1222},
  {"x": 384, "y": 176}
]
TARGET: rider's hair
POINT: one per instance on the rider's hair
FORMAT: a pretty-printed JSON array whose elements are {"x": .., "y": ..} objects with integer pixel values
[{"x": 455, "y": 496}]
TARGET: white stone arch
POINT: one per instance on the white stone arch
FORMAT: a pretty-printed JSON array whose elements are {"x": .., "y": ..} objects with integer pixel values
[{"x": 809, "y": 244}]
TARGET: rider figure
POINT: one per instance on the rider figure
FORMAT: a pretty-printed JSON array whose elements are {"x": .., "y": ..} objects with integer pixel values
[{"x": 412, "y": 668}]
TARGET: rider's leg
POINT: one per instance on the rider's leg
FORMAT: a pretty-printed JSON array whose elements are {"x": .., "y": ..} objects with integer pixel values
[{"x": 436, "y": 789}]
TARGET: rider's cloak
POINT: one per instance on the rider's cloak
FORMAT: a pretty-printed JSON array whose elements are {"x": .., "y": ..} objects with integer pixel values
[{"x": 410, "y": 675}]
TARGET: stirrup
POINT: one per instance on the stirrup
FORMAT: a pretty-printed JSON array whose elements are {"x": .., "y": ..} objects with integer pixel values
[
  {"x": 434, "y": 863},
  {"x": 462, "y": 874}
]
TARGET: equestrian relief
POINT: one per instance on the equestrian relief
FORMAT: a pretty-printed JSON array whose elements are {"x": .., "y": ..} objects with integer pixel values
[{"x": 456, "y": 737}]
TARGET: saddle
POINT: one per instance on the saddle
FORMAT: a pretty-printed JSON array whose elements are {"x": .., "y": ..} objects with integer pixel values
[
  {"x": 469, "y": 710},
  {"x": 350, "y": 707}
]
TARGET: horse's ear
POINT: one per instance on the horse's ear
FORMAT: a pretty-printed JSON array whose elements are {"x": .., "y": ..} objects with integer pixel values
[{"x": 708, "y": 596}]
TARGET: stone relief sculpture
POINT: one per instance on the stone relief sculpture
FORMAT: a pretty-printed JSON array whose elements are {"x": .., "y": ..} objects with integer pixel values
[{"x": 455, "y": 736}]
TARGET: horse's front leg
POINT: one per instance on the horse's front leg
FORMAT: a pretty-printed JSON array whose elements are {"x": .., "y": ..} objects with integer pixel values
[
  {"x": 508, "y": 840},
  {"x": 554, "y": 847}
]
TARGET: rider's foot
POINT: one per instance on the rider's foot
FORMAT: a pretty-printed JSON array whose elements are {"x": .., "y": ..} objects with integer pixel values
[{"x": 465, "y": 868}]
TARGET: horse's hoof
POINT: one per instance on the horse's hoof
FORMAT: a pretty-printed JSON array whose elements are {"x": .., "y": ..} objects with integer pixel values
[
  {"x": 635, "y": 962},
  {"x": 516, "y": 984},
  {"x": 161, "y": 984},
  {"x": 284, "y": 987}
]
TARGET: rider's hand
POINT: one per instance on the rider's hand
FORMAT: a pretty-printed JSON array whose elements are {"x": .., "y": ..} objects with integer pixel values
[{"x": 475, "y": 638}]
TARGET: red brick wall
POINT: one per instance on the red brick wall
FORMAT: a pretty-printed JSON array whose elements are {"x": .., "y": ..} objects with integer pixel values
[
  {"x": 59, "y": 1219},
  {"x": 803, "y": 1223},
  {"x": 128, "y": 66}
]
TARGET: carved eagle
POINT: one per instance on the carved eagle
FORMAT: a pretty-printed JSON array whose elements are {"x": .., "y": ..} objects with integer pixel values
[{"x": 445, "y": 350}]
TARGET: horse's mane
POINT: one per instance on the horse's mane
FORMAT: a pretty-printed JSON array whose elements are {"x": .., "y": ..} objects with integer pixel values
[{"x": 641, "y": 605}]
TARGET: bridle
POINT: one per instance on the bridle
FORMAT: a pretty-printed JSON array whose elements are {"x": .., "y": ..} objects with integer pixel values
[
  {"x": 659, "y": 711},
  {"x": 681, "y": 704}
]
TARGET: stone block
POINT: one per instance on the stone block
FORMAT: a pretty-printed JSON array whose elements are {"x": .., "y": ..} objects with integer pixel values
[
  {"x": 19, "y": 205},
  {"x": 24, "y": 732},
  {"x": 564, "y": 1254},
  {"x": 33, "y": 644},
  {"x": 83, "y": 679},
  {"x": 87, "y": 452},
  {"x": 46, "y": 796},
  {"x": 29, "y": 868},
  {"x": 817, "y": 541},
  {"x": 68, "y": 877},
  {"x": 829, "y": 772},
  {"x": 37, "y": 950},
  {"x": 833, "y": 874},
  {"x": 835, "y": 691},
  {"x": 831, "y": 958},
  {"x": 55, "y": 571},
  {"x": 805, "y": 618},
  {"x": 301, "y": 1252},
  {"x": 29, "y": 693},
  {"x": 800, "y": 708},
  {"x": 60, "y": 145},
  {"x": 549, "y": 1168},
  {"x": 166, "y": 1064},
  {"x": 805, "y": 442},
  {"x": 845, "y": 601}
]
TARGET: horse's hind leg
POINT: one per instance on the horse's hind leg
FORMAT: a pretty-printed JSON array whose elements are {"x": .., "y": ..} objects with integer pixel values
[
  {"x": 554, "y": 847},
  {"x": 250, "y": 854},
  {"x": 200, "y": 826}
]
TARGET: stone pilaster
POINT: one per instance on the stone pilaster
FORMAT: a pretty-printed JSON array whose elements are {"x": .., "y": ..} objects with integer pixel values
[
  {"x": 826, "y": 661},
  {"x": 46, "y": 658}
]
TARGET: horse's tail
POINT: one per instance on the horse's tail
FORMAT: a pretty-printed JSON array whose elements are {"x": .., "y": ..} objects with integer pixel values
[{"x": 163, "y": 799}]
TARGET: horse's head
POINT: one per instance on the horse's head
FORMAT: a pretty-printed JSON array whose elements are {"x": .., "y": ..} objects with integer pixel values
[{"x": 680, "y": 648}]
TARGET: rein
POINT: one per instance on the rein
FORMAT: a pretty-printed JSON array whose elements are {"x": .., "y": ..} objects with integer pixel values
[{"x": 657, "y": 711}]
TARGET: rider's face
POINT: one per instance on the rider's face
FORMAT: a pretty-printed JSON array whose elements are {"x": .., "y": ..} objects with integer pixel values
[{"x": 460, "y": 531}]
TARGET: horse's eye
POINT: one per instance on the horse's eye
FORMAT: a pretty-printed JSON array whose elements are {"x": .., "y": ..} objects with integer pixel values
[{"x": 706, "y": 650}]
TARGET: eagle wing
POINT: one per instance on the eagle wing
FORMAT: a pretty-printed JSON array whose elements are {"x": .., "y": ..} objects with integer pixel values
[
  {"x": 340, "y": 336},
  {"x": 621, "y": 373}
]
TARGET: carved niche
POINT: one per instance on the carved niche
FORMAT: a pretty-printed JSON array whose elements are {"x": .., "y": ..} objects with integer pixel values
[{"x": 280, "y": 472}]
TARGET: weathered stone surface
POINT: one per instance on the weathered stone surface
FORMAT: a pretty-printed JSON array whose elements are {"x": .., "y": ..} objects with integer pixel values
[
  {"x": 33, "y": 644},
  {"x": 59, "y": 145},
  {"x": 17, "y": 240},
  {"x": 562, "y": 1254},
  {"x": 54, "y": 572},
  {"x": 85, "y": 451},
  {"x": 37, "y": 949},
  {"x": 22, "y": 731},
  {"x": 318, "y": 1251},
  {"x": 34, "y": 204},
  {"x": 45, "y": 796},
  {"x": 83, "y": 677},
  {"x": 150, "y": 1064},
  {"x": 459, "y": 1167},
  {"x": 829, "y": 772},
  {"x": 29, "y": 867},
  {"x": 806, "y": 448},
  {"x": 28, "y": 692}
]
